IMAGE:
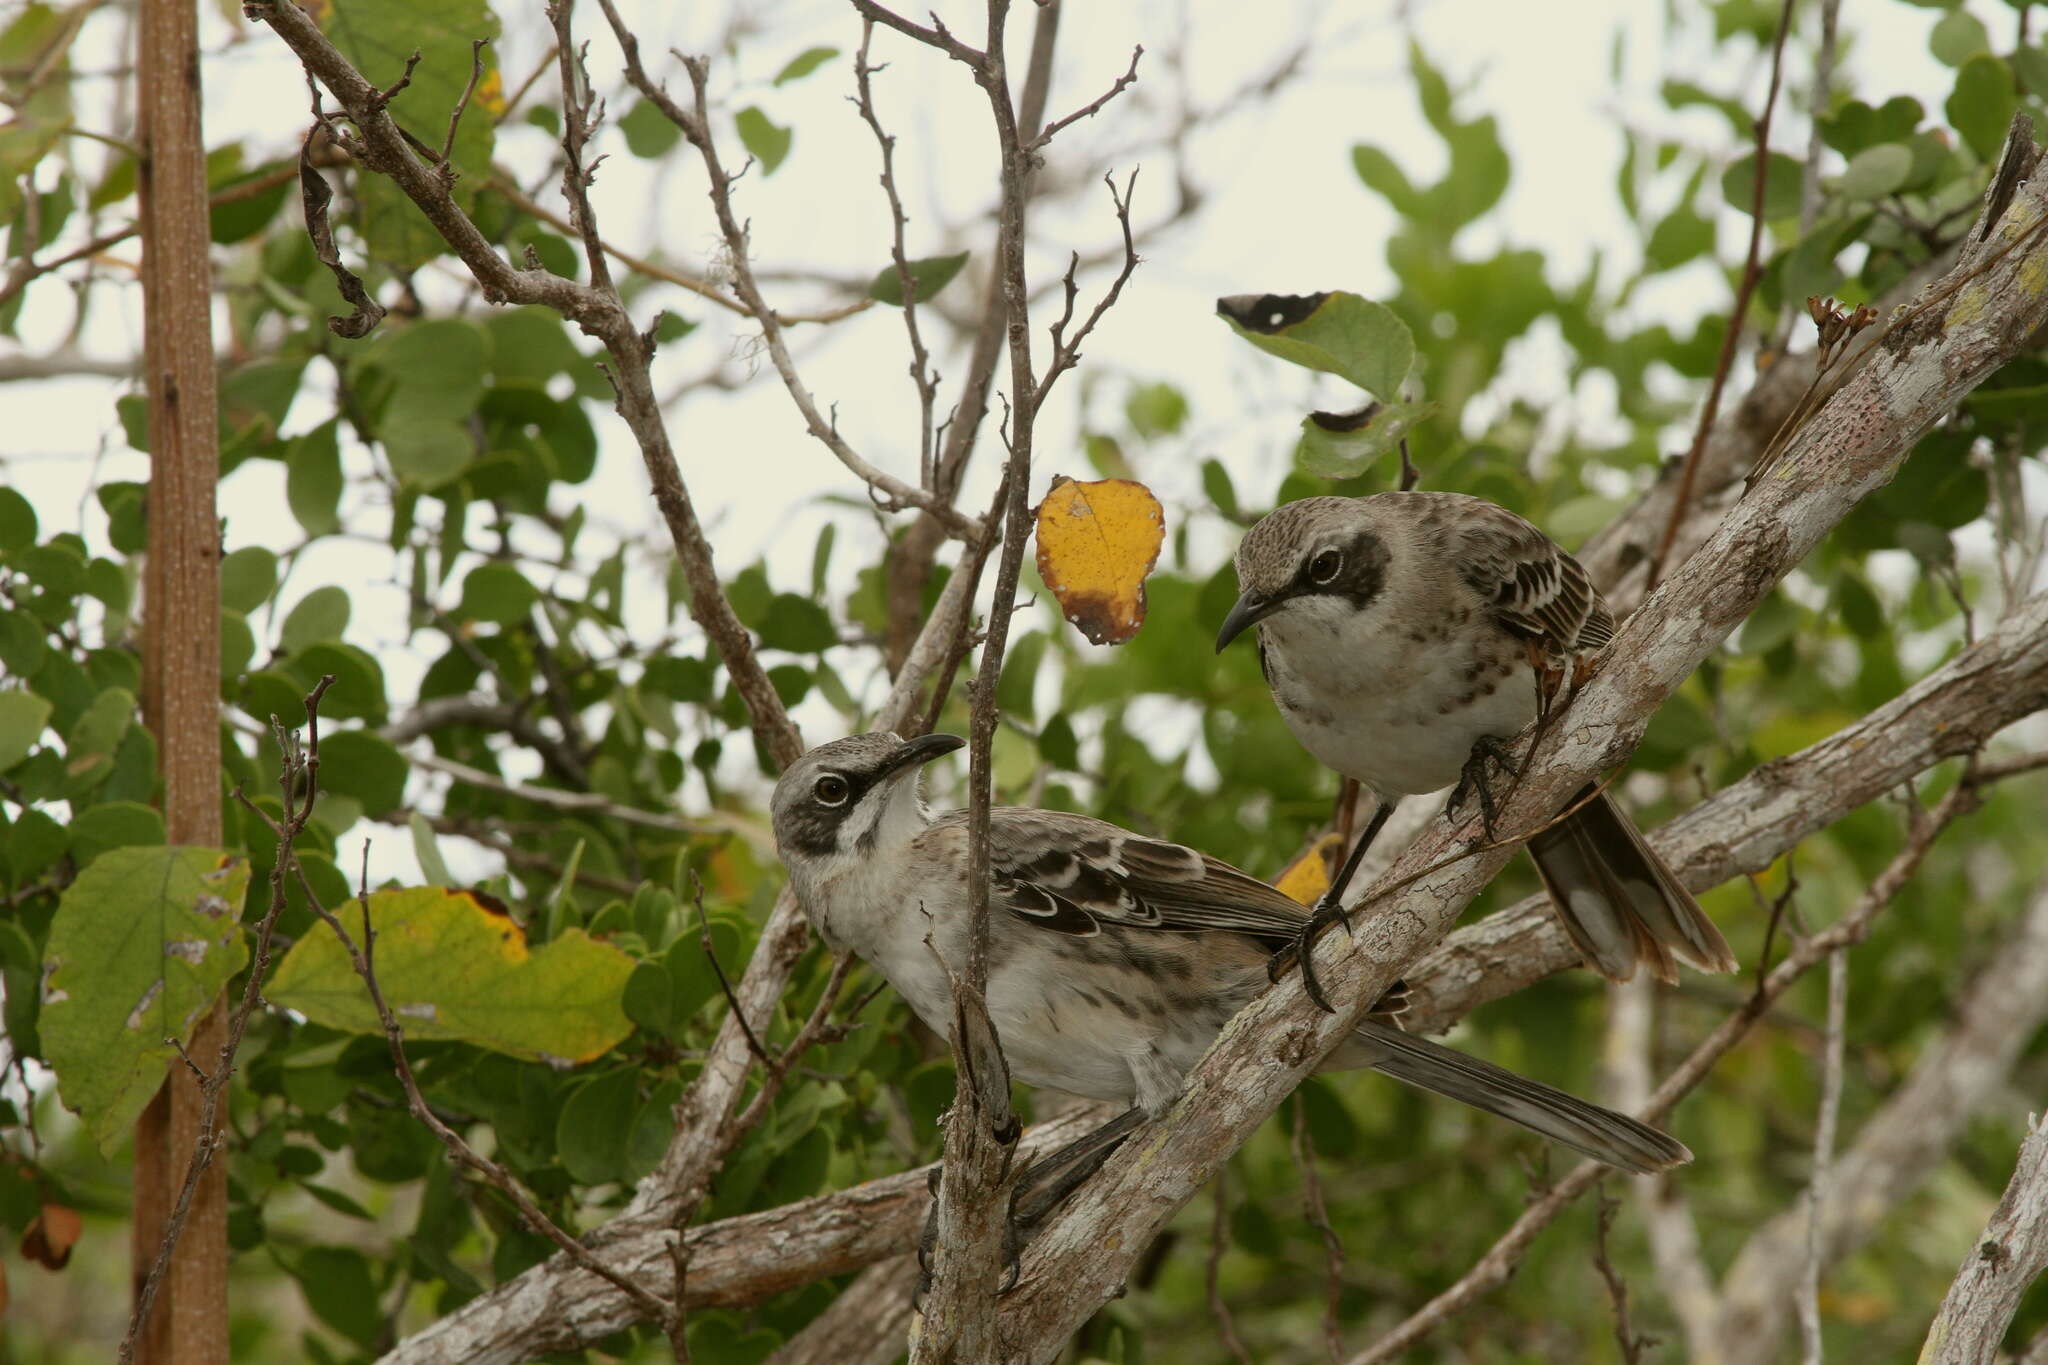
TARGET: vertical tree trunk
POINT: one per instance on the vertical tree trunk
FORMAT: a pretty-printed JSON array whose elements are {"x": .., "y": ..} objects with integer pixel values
[{"x": 181, "y": 639}]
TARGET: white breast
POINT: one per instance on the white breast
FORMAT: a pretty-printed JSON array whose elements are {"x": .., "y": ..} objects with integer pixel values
[{"x": 1396, "y": 706}]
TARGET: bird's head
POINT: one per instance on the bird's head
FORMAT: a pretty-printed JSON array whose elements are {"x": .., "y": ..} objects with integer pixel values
[
  {"x": 1316, "y": 554},
  {"x": 844, "y": 800}
]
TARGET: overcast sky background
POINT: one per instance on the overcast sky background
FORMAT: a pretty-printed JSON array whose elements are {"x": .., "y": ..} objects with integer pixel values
[{"x": 1285, "y": 213}]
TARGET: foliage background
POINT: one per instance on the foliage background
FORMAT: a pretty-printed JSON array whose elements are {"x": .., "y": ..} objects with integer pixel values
[{"x": 440, "y": 516}]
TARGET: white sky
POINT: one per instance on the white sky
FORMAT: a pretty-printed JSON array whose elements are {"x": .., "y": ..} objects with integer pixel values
[{"x": 1286, "y": 214}]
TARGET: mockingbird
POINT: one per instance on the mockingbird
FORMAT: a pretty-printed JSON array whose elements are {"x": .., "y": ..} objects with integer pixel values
[
  {"x": 1114, "y": 959},
  {"x": 1405, "y": 636}
]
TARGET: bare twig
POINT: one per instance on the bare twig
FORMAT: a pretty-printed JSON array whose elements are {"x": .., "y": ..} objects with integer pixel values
[
  {"x": 889, "y": 492},
  {"x": 1090, "y": 109},
  {"x": 1750, "y": 273},
  {"x": 1219, "y": 1242},
  {"x": 476, "y": 73},
  {"x": 1065, "y": 353},
  {"x": 1817, "y": 108},
  {"x": 1823, "y": 1156},
  {"x": 1631, "y": 1343},
  {"x": 921, "y": 373},
  {"x": 1319, "y": 1218}
]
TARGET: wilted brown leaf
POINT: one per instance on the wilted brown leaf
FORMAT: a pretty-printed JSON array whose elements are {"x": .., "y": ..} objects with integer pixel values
[
  {"x": 1097, "y": 540},
  {"x": 50, "y": 1236}
]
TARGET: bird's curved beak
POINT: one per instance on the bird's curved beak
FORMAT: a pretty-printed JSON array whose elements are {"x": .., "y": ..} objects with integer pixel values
[
  {"x": 915, "y": 753},
  {"x": 1249, "y": 611}
]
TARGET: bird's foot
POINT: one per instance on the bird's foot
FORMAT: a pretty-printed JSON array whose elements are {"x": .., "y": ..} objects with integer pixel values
[
  {"x": 1473, "y": 779},
  {"x": 1327, "y": 911}
]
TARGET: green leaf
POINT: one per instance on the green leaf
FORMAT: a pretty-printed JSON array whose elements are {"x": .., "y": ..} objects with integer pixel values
[
  {"x": 498, "y": 593},
  {"x": 312, "y": 479},
  {"x": 141, "y": 944},
  {"x": 1682, "y": 236},
  {"x": 22, "y": 717},
  {"x": 321, "y": 614},
  {"x": 649, "y": 132},
  {"x": 1957, "y": 37},
  {"x": 1155, "y": 410},
  {"x": 1332, "y": 447},
  {"x": 649, "y": 999},
  {"x": 247, "y": 577},
  {"x": 358, "y": 691},
  {"x": 1386, "y": 179},
  {"x": 928, "y": 276},
  {"x": 1781, "y": 185},
  {"x": 437, "y": 368},
  {"x": 379, "y": 35},
  {"x": 764, "y": 139},
  {"x": 1014, "y": 690},
  {"x": 596, "y": 1124},
  {"x": 453, "y": 965},
  {"x": 1339, "y": 333},
  {"x": 23, "y": 647},
  {"x": 17, "y": 521},
  {"x": 530, "y": 343},
  {"x": 364, "y": 766},
  {"x": 804, "y": 63},
  {"x": 112, "y": 825},
  {"x": 1982, "y": 104},
  {"x": 1876, "y": 171},
  {"x": 338, "y": 1288},
  {"x": 427, "y": 848},
  {"x": 798, "y": 625},
  {"x": 239, "y": 219},
  {"x": 428, "y": 451}
]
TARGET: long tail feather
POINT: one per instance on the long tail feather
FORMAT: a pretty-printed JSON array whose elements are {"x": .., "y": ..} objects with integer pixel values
[
  {"x": 1621, "y": 905},
  {"x": 1600, "y": 1133}
]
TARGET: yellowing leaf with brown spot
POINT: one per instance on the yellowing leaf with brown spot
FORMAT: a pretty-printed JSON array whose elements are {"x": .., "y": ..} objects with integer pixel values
[
  {"x": 1308, "y": 876},
  {"x": 452, "y": 964},
  {"x": 1097, "y": 541}
]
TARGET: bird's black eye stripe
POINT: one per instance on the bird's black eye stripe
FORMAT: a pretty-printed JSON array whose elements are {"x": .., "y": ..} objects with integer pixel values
[
  {"x": 832, "y": 790},
  {"x": 1324, "y": 567}
]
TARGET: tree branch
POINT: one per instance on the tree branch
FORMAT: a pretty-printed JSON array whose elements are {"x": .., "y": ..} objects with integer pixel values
[{"x": 2008, "y": 1255}]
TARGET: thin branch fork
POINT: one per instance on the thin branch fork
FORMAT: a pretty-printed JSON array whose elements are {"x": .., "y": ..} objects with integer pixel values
[
  {"x": 599, "y": 312},
  {"x": 891, "y": 493}
]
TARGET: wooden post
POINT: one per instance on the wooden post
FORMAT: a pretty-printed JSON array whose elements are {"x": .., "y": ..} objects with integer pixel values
[{"x": 181, "y": 640}]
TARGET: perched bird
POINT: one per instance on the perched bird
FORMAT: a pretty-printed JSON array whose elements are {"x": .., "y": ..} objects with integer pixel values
[
  {"x": 1405, "y": 636},
  {"x": 1114, "y": 959}
]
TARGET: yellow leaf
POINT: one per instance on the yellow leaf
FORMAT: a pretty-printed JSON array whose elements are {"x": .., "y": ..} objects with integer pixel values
[
  {"x": 453, "y": 964},
  {"x": 1096, "y": 543},
  {"x": 1308, "y": 876}
]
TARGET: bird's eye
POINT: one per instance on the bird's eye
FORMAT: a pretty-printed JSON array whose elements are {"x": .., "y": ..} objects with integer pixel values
[
  {"x": 1324, "y": 566},
  {"x": 831, "y": 790}
]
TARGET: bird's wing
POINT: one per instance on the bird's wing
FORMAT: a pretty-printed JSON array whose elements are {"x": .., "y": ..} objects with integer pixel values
[
  {"x": 1535, "y": 589},
  {"x": 1073, "y": 874}
]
